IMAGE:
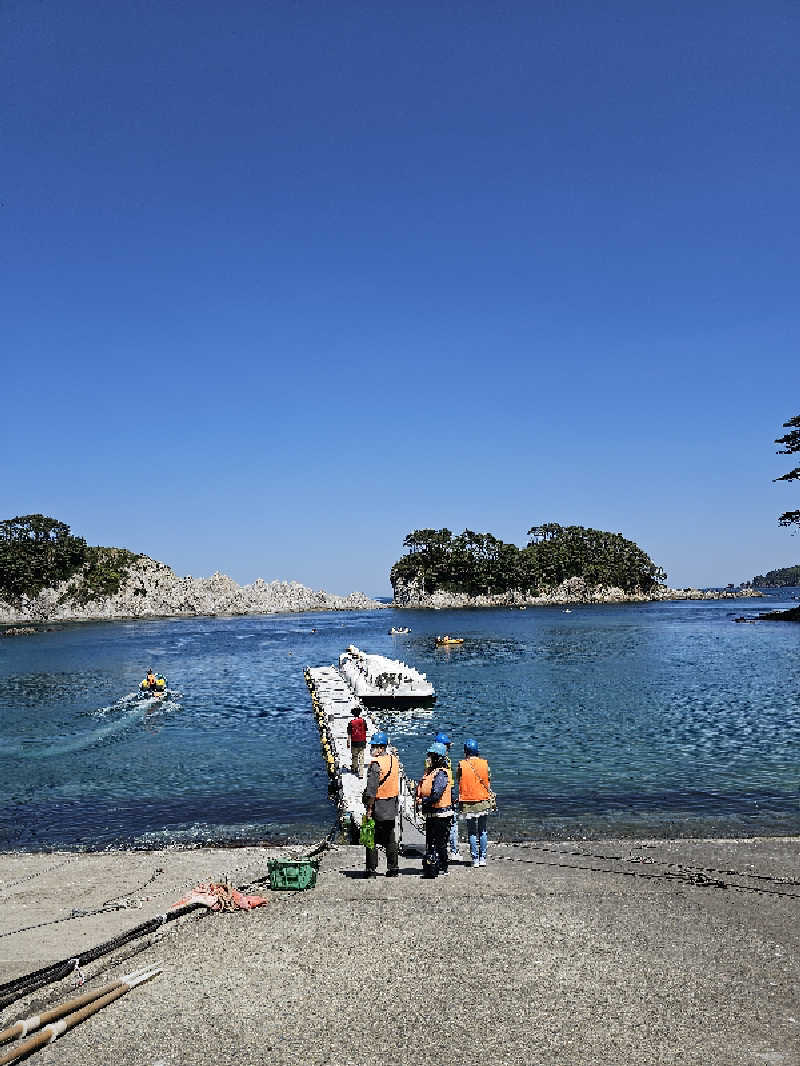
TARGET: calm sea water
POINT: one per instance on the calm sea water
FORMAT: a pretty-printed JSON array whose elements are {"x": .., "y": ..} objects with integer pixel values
[{"x": 633, "y": 720}]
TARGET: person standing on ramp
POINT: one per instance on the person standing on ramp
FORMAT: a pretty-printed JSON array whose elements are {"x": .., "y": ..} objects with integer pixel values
[
  {"x": 475, "y": 799},
  {"x": 381, "y": 800}
]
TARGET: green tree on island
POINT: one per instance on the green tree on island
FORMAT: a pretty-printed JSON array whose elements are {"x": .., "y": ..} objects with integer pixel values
[
  {"x": 557, "y": 553},
  {"x": 785, "y": 575},
  {"x": 36, "y": 552},
  {"x": 481, "y": 564},
  {"x": 792, "y": 446}
]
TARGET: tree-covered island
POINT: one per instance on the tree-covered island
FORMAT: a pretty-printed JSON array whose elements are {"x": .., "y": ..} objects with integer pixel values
[
  {"x": 481, "y": 565},
  {"x": 783, "y": 577}
]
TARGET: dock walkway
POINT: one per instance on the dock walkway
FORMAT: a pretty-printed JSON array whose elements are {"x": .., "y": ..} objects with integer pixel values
[{"x": 334, "y": 705}]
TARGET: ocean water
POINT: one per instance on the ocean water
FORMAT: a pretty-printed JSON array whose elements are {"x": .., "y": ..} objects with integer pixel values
[{"x": 635, "y": 720}]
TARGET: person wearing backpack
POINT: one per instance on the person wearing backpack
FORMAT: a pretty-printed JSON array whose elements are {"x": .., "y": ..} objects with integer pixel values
[
  {"x": 435, "y": 798},
  {"x": 475, "y": 799},
  {"x": 357, "y": 743},
  {"x": 381, "y": 800},
  {"x": 443, "y": 738}
]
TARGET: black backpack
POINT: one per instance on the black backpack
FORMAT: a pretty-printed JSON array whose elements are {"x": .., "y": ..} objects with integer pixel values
[{"x": 430, "y": 863}]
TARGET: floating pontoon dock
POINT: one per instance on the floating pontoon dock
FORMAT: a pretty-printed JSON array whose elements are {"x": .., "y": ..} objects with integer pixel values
[
  {"x": 379, "y": 682},
  {"x": 334, "y": 705}
]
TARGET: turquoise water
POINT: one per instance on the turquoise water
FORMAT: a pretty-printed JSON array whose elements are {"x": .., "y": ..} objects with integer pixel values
[{"x": 632, "y": 720}]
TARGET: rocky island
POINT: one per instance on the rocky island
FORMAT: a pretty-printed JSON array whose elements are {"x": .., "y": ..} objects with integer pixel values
[
  {"x": 49, "y": 575},
  {"x": 560, "y": 565}
]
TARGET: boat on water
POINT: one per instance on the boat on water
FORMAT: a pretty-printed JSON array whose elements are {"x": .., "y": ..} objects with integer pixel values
[
  {"x": 384, "y": 683},
  {"x": 153, "y": 686},
  {"x": 396, "y": 631},
  {"x": 446, "y": 642}
]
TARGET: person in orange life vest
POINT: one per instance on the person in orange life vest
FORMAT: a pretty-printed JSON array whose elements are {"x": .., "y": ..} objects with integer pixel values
[
  {"x": 151, "y": 678},
  {"x": 443, "y": 738},
  {"x": 435, "y": 798},
  {"x": 357, "y": 743},
  {"x": 475, "y": 799},
  {"x": 381, "y": 799}
]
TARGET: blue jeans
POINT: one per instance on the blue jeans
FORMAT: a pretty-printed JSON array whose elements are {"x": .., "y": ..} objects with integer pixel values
[
  {"x": 454, "y": 837},
  {"x": 478, "y": 837}
]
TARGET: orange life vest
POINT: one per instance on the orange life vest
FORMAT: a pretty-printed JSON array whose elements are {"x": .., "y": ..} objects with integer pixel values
[
  {"x": 445, "y": 801},
  {"x": 449, "y": 768},
  {"x": 473, "y": 780},
  {"x": 389, "y": 780}
]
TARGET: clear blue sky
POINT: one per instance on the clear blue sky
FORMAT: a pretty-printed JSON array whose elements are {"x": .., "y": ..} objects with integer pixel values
[{"x": 283, "y": 282}]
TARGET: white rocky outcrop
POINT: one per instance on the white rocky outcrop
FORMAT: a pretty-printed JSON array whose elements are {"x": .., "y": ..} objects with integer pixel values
[
  {"x": 573, "y": 590},
  {"x": 152, "y": 589}
]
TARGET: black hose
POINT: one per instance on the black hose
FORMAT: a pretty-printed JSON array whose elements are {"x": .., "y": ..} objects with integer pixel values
[{"x": 11, "y": 991}]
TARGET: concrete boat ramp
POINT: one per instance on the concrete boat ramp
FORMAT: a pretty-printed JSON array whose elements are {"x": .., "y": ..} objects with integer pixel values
[{"x": 334, "y": 705}]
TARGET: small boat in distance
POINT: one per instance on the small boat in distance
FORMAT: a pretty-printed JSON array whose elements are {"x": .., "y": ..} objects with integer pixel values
[
  {"x": 394, "y": 631},
  {"x": 447, "y": 641}
]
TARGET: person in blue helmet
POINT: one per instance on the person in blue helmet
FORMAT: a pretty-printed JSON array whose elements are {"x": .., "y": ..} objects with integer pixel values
[
  {"x": 381, "y": 800},
  {"x": 443, "y": 738},
  {"x": 475, "y": 799},
  {"x": 435, "y": 799}
]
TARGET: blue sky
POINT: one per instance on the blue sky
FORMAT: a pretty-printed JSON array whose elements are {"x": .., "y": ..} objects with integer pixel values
[{"x": 284, "y": 282}]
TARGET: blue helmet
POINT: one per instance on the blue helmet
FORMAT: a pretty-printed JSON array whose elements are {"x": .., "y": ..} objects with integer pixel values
[
  {"x": 442, "y": 738},
  {"x": 438, "y": 749},
  {"x": 471, "y": 747},
  {"x": 379, "y": 740}
]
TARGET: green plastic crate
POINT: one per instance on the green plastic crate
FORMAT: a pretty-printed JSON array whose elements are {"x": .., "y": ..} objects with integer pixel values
[{"x": 293, "y": 875}]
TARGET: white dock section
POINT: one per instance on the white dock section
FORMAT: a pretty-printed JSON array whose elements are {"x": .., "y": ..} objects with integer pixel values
[
  {"x": 334, "y": 705},
  {"x": 380, "y": 682}
]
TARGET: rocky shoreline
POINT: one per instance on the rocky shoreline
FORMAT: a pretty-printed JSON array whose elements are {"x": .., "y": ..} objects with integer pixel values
[
  {"x": 572, "y": 591},
  {"x": 792, "y": 615},
  {"x": 153, "y": 590}
]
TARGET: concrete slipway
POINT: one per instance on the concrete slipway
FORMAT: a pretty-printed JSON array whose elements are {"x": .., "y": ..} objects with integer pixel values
[{"x": 623, "y": 952}]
